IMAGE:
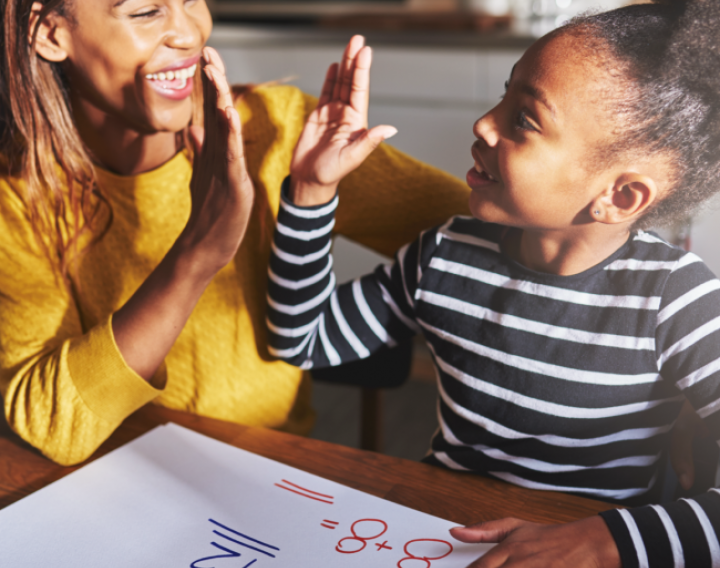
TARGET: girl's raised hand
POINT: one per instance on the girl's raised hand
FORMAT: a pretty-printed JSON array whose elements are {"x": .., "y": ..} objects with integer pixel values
[
  {"x": 221, "y": 189},
  {"x": 336, "y": 138}
]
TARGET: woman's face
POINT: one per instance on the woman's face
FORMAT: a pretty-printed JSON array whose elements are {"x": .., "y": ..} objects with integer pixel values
[{"x": 134, "y": 60}]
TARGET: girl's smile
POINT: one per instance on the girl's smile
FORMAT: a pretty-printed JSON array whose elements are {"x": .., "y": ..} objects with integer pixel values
[{"x": 478, "y": 176}]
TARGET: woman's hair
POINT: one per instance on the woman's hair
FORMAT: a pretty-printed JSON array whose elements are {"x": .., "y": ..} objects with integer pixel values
[
  {"x": 40, "y": 144},
  {"x": 668, "y": 57}
]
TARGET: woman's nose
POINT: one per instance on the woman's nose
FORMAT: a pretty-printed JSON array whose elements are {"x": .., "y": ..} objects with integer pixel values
[
  {"x": 486, "y": 129},
  {"x": 184, "y": 30}
]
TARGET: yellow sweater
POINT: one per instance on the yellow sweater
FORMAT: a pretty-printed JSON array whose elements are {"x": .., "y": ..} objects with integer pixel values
[{"x": 65, "y": 385}]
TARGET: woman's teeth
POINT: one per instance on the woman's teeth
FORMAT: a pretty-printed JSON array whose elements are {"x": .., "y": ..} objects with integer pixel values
[{"x": 181, "y": 74}]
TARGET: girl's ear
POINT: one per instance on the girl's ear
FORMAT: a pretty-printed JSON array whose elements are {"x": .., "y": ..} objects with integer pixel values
[
  {"x": 626, "y": 200},
  {"x": 53, "y": 34}
]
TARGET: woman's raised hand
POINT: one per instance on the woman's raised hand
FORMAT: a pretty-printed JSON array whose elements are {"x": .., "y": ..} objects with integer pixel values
[
  {"x": 336, "y": 138},
  {"x": 221, "y": 189}
]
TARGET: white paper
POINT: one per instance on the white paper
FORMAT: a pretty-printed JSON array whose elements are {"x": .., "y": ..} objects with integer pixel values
[{"x": 175, "y": 498}]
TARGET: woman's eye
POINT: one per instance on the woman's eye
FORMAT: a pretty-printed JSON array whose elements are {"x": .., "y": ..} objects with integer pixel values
[
  {"x": 149, "y": 13},
  {"x": 523, "y": 123}
]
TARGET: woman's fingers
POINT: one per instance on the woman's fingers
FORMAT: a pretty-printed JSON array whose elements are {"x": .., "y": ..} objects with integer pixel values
[
  {"x": 342, "y": 86},
  {"x": 237, "y": 170},
  {"x": 359, "y": 97},
  {"x": 329, "y": 85}
]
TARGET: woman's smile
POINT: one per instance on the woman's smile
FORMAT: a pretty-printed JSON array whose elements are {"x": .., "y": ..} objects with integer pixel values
[{"x": 174, "y": 81}]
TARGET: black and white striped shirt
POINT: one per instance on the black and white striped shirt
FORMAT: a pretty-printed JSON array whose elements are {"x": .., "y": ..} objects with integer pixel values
[{"x": 567, "y": 383}]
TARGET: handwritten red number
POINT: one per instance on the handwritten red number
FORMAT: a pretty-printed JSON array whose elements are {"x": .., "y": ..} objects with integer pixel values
[
  {"x": 426, "y": 559},
  {"x": 363, "y": 540}
]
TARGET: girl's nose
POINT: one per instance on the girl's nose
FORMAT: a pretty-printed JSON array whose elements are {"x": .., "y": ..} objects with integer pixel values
[{"x": 486, "y": 129}]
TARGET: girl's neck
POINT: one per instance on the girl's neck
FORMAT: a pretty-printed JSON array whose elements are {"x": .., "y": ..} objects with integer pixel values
[
  {"x": 118, "y": 148},
  {"x": 563, "y": 253}
]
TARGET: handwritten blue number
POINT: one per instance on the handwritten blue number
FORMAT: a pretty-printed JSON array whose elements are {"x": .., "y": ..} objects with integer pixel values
[{"x": 230, "y": 554}]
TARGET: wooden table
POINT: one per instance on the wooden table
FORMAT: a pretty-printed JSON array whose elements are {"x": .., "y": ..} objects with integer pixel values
[{"x": 459, "y": 497}]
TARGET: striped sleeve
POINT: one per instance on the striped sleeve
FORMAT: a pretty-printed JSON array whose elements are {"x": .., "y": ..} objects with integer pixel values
[
  {"x": 683, "y": 533},
  {"x": 313, "y": 323}
]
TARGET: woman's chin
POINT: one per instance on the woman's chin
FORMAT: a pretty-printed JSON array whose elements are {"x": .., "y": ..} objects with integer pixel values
[{"x": 172, "y": 120}]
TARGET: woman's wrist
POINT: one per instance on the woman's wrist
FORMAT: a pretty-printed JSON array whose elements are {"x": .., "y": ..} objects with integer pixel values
[{"x": 307, "y": 194}]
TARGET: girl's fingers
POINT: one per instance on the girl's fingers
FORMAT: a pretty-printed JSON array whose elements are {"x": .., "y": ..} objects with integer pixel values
[
  {"x": 359, "y": 97},
  {"x": 342, "y": 86},
  {"x": 328, "y": 85},
  {"x": 491, "y": 531}
]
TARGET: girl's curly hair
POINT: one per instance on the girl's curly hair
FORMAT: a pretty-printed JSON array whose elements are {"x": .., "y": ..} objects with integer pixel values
[{"x": 668, "y": 54}]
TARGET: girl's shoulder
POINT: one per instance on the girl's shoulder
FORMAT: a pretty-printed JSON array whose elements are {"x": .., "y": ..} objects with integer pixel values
[
  {"x": 675, "y": 270},
  {"x": 471, "y": 234}
]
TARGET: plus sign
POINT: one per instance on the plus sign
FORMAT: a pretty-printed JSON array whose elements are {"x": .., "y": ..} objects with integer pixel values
[{"x": 383, "y": 545}]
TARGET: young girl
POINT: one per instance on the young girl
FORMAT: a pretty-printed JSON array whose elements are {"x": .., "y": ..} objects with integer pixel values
[
  {"x": 122, "y": 278},
  {"x": 565, "y": 337}
]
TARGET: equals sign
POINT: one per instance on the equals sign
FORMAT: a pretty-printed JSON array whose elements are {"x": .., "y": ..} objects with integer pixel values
[{"x": 329, "y": 524}]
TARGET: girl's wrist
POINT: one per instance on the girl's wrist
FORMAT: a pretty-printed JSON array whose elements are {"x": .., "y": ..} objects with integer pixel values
[{"x": 307, "y": 194}]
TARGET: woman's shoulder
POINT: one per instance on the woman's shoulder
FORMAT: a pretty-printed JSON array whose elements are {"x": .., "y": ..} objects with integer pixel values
[{"x": 273, "y": 98}]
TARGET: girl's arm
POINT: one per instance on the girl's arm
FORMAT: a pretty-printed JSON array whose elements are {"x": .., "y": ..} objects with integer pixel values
[
  {"x": 680, "y": 533},
  {"x": 313, "y": 324}
]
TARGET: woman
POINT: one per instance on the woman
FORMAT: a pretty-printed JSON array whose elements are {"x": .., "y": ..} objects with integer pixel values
[{"x": 118, "y": 286}]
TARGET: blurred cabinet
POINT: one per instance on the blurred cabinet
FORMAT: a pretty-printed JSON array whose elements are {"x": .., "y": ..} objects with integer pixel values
[{"x": 432, "y": 95}]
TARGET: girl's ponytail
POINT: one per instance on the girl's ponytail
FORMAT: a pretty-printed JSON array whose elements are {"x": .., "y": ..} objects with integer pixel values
[{"x": 669, "y": 54}]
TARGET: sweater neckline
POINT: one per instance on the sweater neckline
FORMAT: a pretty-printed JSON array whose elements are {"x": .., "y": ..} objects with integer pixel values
[
  {"x": 548, "y": 278},
  {"x": 174, "y": 165}
]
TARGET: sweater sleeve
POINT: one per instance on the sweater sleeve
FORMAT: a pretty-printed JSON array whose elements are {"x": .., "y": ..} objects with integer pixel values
[
  {"x": 391, "y": 198},
  {"x": 313, "y": 324},
  {"x": 65, "y": 388},
  {"x": 683, "y": 533}
]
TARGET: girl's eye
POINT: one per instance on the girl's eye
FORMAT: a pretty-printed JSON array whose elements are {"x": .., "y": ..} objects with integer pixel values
[{"x": 522, "y": 122}]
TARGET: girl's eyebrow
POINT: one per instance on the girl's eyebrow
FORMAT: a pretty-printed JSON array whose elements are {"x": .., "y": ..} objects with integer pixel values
[{"x": 539, "y": 95}]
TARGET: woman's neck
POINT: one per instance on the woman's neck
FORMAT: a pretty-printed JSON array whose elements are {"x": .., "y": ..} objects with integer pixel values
[
  {"x": 120, "y": 149},
  {"x": 561, "y": 252}
]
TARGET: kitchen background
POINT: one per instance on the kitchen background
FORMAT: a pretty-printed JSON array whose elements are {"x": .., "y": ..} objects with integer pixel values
[{"x": 438, "y": 66}]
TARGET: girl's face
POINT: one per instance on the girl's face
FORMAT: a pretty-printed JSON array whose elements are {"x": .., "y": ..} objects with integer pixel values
[
  {"x": 533, "y": 154},
  {"x": 134, "y": 59}
]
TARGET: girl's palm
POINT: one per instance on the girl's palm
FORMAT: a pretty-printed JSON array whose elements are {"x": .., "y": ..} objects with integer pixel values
[{"x": 336, "y": 139}]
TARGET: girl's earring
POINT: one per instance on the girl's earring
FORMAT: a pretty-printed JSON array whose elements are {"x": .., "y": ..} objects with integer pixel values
[{"x": 597, "y": 211}]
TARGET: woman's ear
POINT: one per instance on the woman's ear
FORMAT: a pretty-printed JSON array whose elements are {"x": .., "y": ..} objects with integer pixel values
[
  {"x": 626, "y": 200},
  {"x": 53, "y": 34}
]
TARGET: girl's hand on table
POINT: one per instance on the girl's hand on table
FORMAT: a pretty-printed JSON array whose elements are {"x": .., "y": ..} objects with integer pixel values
[
  {"x": 521, "y": 544},
  {"x": 221, "y": 189},
  {"x": 336, "y": 138}
]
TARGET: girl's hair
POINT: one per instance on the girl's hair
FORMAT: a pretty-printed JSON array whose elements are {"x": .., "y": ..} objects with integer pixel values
[
  {"x": 40, "y": 144},
  {"x": 668, "y": 55}
]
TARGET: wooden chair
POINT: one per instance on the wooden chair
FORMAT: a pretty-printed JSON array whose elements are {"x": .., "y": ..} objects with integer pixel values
[{"x": 387, "y": 368}]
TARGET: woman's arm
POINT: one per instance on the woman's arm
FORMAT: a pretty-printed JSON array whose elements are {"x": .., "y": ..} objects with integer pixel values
[
  {"x": 147, "y": 326},
  {"x": 66, "y": 388}
]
